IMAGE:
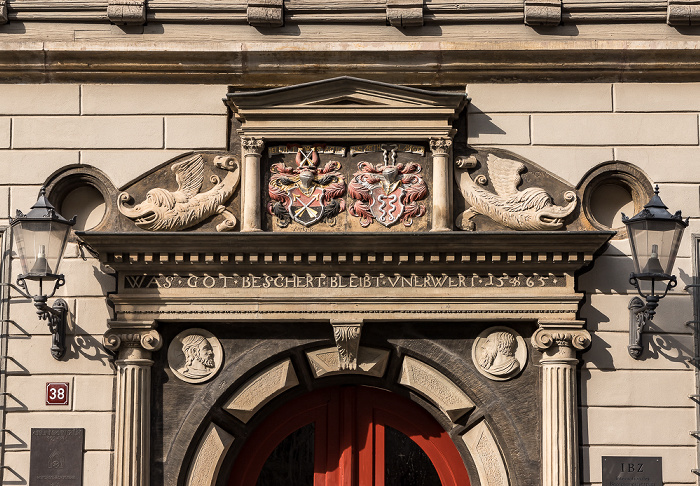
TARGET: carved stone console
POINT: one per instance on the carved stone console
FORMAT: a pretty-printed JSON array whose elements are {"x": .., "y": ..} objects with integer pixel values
[
  {"x": 683, "y": 12},
  {"x": 404, "y": 13},
  {"x": 542, "y": 12},
  {"x": 266, "y": 13},
  {"x": 559, "y": 342},
  {"x": 133, "y": 345},
  {"x": 3, "y": 12},
  {"x": 127, "y": 12}
]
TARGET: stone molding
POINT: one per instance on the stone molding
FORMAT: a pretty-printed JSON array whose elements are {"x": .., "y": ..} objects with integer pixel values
[
  {"x": 542, "y": 12},
  {"x": 265, "y": 13},
  {"x": 683, "y": 12},
  {"x": 404, "y": 13},
  {"x": 209, "y": 457},
  {"x": 3, "y": 12},
  {"x": 127, "y": 12}
]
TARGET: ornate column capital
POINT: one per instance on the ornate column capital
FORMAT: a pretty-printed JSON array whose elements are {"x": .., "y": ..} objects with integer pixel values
[
  {"x": 561, "y": 339},
  {"x": 137, "y": 342},
  {"x": 252, "y": 145},
  {"x": 440, "y": 146}
]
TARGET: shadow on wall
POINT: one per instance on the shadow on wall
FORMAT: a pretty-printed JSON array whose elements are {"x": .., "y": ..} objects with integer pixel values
[
  {"x": 81, "y": 345},
  {"x": 480, "y": 123}
]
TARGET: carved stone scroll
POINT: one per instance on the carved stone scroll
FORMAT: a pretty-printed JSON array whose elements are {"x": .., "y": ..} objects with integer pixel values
[
  {"x": 260, "y": 389},
  {"x": 543, "y": 12},
  {"x": 266, "y": 13},
  {"x": 3, "y": 12},
  {"x": 404, "y": 13},
  {"x": 486, "y": 455},
  {"x": 209, "y": 457},
  {"x": 559, "y": 341},
  {"x": 683, "y": 12},
  {"x": 326, "y": 362},
  {"x": 527, "y": 209},
  {"x": 429, "y": 382},
  {"x": 127, "y": 12},
  {"x": 133, "y": 404},
  {"x": 347, "y": 339},
  {"x": 165, "y": 210}
]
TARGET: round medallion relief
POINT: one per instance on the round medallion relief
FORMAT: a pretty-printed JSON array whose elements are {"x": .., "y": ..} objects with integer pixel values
[
  {"x": 499, "y": 353},
  {"x": 195, "y": 355}
]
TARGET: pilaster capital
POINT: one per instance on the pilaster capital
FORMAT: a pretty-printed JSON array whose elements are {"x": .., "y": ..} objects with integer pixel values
[
  {"x": 440, "y": 146},
  {"x": 561, "y": 334},
  {"x": 252, "y": 146},
  {"x": 132, "y": 342}
]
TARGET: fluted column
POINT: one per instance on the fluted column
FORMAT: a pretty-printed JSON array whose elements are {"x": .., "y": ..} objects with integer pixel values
[
  {"x": 559, "y": 343},
  {"x": 252, "y": 152},
  {"x": 132, "y": 459},
  {"x": 442, "y": 184}
]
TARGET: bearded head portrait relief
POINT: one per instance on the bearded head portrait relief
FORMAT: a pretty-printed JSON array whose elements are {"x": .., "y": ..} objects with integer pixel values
[
  {"x": 499, "y": 353},
  {"x": 195, "y": 355}
]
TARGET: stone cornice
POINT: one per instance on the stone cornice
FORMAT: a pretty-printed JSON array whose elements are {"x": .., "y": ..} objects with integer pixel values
[
  {"x": 259, "y": 64},
  {"x": 497, "y": 251}
]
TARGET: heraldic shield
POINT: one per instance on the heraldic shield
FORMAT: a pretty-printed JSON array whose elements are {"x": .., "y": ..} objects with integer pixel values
[
  {"x": 306, "y": 194},
  {"x": 387, "y": 193}
]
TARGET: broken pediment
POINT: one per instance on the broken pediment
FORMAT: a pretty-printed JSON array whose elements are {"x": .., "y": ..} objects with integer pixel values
[
  {"x": 497, "y": 190},
  {"x": 347, "y": 108}
]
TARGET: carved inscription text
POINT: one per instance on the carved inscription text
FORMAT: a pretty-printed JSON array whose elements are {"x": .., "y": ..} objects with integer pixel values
[{"x": 340, "y": 281}]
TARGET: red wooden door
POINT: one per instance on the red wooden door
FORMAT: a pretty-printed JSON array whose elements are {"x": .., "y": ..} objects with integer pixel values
[{"x": 360, "y": 436}]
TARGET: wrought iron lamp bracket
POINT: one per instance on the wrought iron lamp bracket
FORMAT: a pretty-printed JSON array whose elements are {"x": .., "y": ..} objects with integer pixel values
[{"x": 641, "y": 313}]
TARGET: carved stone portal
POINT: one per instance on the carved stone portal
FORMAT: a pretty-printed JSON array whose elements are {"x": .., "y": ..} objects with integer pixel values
[
  {"x": 499, "y": 353},
  {"x": 528, "y": 209},
  {"x": 195, "y": 355},
  {"x": 165, "y": 210}
]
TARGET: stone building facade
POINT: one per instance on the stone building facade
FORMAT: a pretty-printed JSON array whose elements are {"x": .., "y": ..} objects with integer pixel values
[{"x": 280, "y": 131}]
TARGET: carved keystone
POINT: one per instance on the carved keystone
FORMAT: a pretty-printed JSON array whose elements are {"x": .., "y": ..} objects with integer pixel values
[
  {"x": 260, "y": 389},
  {"x": 683, "y": 12},
  {"x": 347, "y": 339},
  {"x": 326, "y": 362},
  {"x": 542, "y": 12},
  {"x": 266, "y": 13},
  {"x": 429, "y": 382},
  {"x": 3, "y": 12},
  {"x": 404, "y": 13},
  {"x": 209, "y": 456},
  {"x": 127, "y": 12}
]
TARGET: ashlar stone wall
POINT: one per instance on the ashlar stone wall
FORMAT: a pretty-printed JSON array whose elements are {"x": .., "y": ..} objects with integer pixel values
[
  {"x": 124, "y": 131},
  {"x": 628, "y": 407}
]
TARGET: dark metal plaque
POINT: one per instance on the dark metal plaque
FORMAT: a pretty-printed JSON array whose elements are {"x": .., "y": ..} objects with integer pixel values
[
  {"x": 56, "y": 457},
  {"x": 631, "y": 471}
]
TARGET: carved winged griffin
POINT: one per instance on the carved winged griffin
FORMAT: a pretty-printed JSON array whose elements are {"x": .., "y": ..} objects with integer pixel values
[
  {"x": 165, "y": 210},
  {"x": 529, "y": 209}
]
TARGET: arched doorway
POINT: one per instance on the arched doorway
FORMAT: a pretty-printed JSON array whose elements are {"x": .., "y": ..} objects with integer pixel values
[{"x": 350, "y": 436}]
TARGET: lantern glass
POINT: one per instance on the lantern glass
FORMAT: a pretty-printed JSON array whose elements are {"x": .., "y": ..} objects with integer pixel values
[
  {"x": 654, "y": 246},
  {"x": 40, "y": 245}
]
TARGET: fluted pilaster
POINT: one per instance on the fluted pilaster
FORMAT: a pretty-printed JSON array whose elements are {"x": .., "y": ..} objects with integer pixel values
[
  {"x": 252, "y": 153},
  {"x": 442, "y": 184},
  {"x": 132, "y": 458},
  {"x": 559, "y": 343}
]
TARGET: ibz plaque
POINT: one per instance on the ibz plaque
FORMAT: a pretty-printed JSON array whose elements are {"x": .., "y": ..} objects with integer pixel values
[
  {"x": 56, "y": 457},
  {"x": 631, "y": 471}
]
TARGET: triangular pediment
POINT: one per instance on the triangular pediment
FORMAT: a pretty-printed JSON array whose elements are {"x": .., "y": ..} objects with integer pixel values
[{"x": 314, "y": 109}]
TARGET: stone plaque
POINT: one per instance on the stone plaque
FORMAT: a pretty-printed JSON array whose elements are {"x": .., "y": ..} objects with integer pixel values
[
  {"x": 56, "y": 457},
  {"x": 631, "y": 471}
]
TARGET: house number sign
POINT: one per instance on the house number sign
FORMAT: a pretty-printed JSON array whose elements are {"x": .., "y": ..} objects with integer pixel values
[
  {"x": 57, "y": 394},
  {"x": 631, "y": 471}
]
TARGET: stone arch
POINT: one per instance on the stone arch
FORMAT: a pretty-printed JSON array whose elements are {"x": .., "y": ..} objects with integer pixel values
[{"x": 417, "y": 375}]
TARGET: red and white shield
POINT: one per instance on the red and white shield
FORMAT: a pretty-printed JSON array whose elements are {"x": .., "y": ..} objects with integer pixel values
[
  {"x": 386, "y": 208},
  {"x": 305, "y": 207}
]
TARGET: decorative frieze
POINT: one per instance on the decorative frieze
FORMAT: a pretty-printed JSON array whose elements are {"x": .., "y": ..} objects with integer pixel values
[
  {"x": 542, "y": 12},
  {"x": 3, "y": 12},
  {"x": 266, "y": 13},
  {"x": 127, "y": 12},
  {"x": 404, "y": 13},
  {"x": 683, "y": 12}
]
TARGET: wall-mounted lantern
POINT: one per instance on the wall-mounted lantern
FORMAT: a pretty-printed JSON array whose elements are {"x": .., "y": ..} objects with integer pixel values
[
  {"x": 655, "y": 236},
  {"x": 41, "y": 237}
]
